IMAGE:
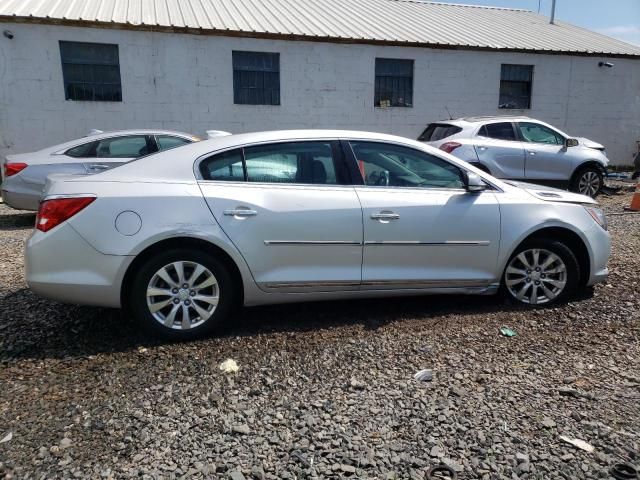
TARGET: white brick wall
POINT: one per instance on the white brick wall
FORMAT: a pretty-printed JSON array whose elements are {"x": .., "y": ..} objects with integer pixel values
[{"x": 184, "y": 82}]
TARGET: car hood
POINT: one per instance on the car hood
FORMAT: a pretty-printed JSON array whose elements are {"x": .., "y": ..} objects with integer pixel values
[
  {"x": 552, "y": 194},
  {"x": 590, "y": 143}
]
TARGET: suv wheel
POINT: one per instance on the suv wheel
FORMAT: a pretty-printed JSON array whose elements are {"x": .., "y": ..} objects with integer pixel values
[
  {"x": 588, "y": 181},
  {"x": 182, "y": 294},
  {"x": 541, "y": 272}
]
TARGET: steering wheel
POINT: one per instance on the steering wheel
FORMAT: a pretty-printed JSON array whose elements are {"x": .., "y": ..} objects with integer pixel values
[{"x": 382, "y": 180}]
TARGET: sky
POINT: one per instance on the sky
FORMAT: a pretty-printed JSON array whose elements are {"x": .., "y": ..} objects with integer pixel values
[{"x": 616, "y": 18}]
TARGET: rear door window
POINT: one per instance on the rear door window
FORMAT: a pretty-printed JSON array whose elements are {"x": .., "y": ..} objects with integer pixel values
[
  {"x": 296, "y": 162},
  {"x": 438, "y": 131},
  {"x": 498, "y": 131},
  {"x": 312, "y": 162}
]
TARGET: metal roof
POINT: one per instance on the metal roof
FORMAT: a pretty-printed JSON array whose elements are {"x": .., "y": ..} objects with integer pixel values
[{"x": 397, "y": 22}]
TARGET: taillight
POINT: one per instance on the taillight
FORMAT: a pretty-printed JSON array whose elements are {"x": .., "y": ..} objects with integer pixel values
[
  {"x": 55, "y": 211},
  {"x": 450, "y": 146},
  {"x": 13, "y": 168}
]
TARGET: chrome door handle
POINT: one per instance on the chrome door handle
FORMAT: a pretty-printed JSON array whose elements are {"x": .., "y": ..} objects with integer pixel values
[
  {"x": 99, "y": 166},
  {"x": 532, "y": 153},
  {"x": 240, "y": 212},
  {"x": 385, "y": 216}
]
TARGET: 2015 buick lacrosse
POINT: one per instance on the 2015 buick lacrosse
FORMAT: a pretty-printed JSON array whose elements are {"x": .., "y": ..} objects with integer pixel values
[{"x": 182, "y": 237}]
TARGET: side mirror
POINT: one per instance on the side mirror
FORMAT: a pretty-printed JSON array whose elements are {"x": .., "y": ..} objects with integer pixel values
[
  {"x": 571, "y": 142},
  {"x": 474, "y": 183}
]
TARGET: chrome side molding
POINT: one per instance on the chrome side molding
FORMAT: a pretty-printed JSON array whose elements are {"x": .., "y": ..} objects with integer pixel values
[
  {"x": 312, "y": 242},
  {"x": 455, "y": 243}
]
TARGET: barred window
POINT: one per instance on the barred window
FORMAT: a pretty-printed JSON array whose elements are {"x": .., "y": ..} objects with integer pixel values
[
  {"x": 91, "y": 71},
  {"x": 515, "y": 86},
  {"x": 256, "y": 78},
  {"x": 394, "y": 83}
]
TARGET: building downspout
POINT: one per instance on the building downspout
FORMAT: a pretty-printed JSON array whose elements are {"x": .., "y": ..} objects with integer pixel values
[{"x": 553, "y": 11}]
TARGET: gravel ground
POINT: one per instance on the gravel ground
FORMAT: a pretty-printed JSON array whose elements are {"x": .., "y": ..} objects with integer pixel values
[{"x": 325, "y": 390}]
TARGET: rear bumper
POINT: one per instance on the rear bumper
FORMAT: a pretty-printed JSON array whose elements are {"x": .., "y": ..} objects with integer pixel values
[
  {"x": 19, "y": 194},
  {"x": 62, "y": 266},
  {"x": 20, "y": 200}
]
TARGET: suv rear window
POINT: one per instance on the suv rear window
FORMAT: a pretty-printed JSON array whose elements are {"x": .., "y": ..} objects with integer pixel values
[
  {"x": 438, "y": 131},
  {"x": 499, "y": 131}
]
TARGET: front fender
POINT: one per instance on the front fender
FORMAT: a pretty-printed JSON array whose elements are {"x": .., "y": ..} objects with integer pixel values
[
  {"x": 516, "y": 227},
  {"x": 589, "y": 163}
]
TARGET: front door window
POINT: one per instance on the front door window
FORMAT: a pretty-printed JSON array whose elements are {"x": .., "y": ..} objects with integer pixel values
[
  {"x": 536, "y": 133},
  {"x": 390, "y": 165}
]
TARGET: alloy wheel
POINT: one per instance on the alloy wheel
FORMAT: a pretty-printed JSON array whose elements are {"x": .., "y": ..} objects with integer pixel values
[
  {"x": 589, "y": 183},
  {"x": 182, "y": 295},
  {"x": 536, "y": 276}
]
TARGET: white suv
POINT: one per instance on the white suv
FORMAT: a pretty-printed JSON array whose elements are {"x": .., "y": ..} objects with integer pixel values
[{"x": 521, "y": 148}]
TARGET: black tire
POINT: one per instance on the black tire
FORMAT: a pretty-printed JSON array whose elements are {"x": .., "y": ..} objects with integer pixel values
[
  {"x": 565, "y": 254},
  {"x": 225, "y": 288},
  {"x": 581, "y": 176}
]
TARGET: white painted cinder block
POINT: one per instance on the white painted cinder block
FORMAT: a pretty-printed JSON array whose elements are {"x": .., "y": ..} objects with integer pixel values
[{"x": 185, "y": 82}]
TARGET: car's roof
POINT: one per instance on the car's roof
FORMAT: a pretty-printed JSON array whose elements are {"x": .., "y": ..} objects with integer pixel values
[
  {"x": 114, "y": 133},
  {"x": 137, "y": 131},
  {"x": 164, "y": 165},
  {"x": 489, "y": 118},
  {"x": 238, "y": 140},
  {"x": 495, "y": 117}
]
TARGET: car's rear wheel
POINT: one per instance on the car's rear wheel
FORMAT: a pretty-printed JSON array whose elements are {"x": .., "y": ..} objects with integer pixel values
[
  {"x": 541, "y": 272},
  {"x": 588, "y": 181},
  {"x": 182, "y": 294}
]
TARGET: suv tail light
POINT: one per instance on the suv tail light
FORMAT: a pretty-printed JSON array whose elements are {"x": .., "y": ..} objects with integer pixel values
[
  {"x": 13, "y": 168},
  {"x": 450, "y": 146},
  {"x": 55, "y": 211}
]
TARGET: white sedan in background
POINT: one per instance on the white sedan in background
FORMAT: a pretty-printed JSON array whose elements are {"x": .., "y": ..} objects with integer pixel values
[
  {"x": 182, "y": 237},
  {"x": 25, "y": 174}
]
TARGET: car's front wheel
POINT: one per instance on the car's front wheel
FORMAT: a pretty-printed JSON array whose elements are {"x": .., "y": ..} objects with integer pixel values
[
  {"x": 588, "y": 181},
  {"x": 182, "y": 294},
  {"x": 541, "y": 272}
]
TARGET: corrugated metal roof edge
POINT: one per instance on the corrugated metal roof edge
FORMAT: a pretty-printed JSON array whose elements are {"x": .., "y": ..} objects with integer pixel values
[
  {"x": 466, "y": 5},
  {"x": 300, "y": 37}
]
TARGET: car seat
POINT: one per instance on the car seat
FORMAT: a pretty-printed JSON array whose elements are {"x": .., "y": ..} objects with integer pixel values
[{"x": 318, "y": 172}]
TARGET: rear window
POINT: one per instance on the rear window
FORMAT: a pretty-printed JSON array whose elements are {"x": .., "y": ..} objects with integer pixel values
[
  {"x": 87, "y": 150},
  {"x": 438, "y": 131},
  {"x": 166, "y": 142}
]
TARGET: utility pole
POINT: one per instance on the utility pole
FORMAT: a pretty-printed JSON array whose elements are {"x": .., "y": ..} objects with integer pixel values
[{"x": 553, "y": 11}]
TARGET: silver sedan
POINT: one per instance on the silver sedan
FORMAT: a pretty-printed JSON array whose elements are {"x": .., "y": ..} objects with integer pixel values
[
  {"x": 25, "y": 174},
  {"x": 182, "y": 237}
]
